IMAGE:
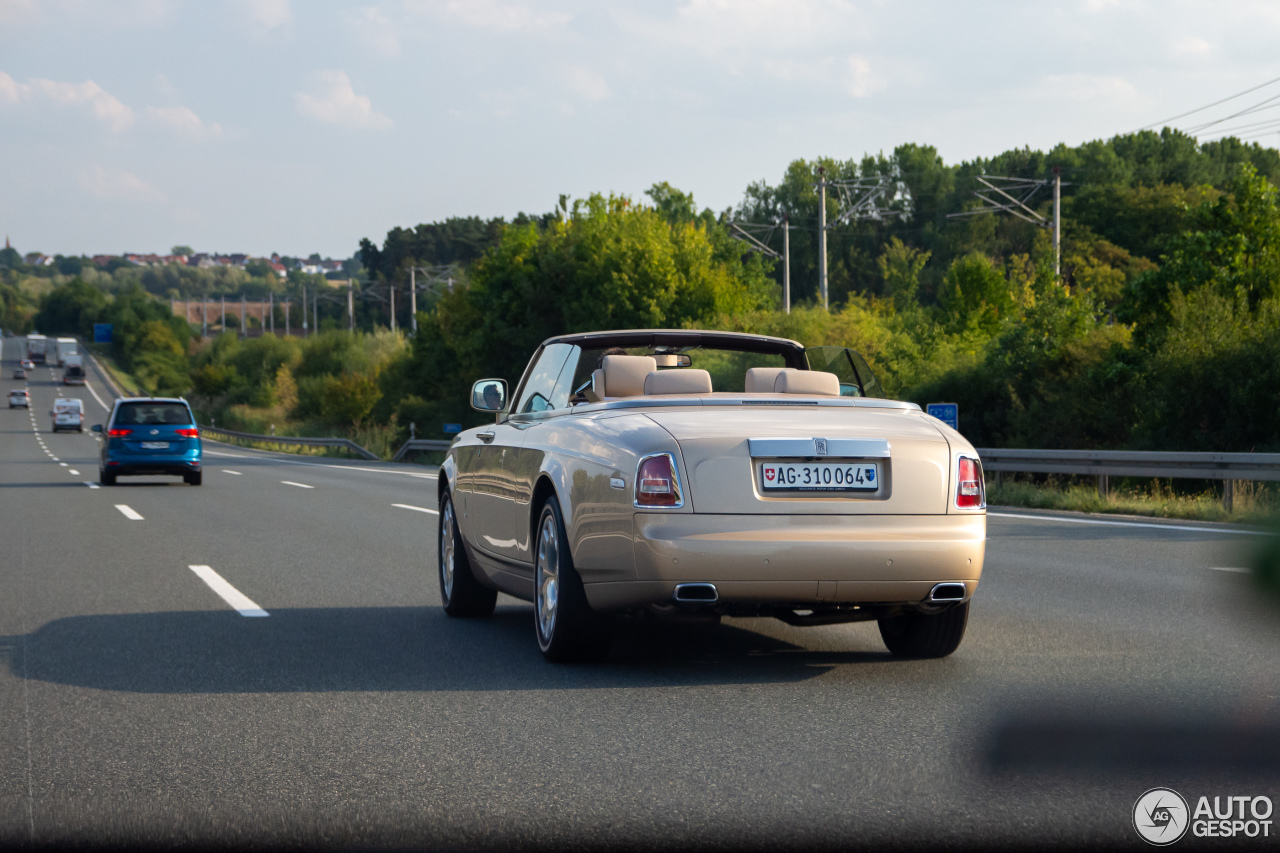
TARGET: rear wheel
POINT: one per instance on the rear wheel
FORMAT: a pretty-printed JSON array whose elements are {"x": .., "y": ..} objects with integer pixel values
[
  {"x": 925, "y": 635},
  {"x": 568, "y": 630},
  {"x": 106, "y": 479},
  {"x": 195, "y": 478},
  {"x": 460, "y": 592}
]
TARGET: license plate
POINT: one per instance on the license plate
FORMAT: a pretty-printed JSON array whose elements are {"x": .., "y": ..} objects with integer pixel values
[
  {"x": 820, "y": 476},
  {"x": 155, "y": 445}
]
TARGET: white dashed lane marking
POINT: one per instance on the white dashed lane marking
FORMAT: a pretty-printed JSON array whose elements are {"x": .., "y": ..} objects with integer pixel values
[
  {"x": 229, "y": 471},
  {"x": 1235, "y": 569},
  {"x": 237, "y": 599},
  {"x": 128, "y": 513},
  {"x": 417, "y": 508},
  {"x": 299, "y": 485}
]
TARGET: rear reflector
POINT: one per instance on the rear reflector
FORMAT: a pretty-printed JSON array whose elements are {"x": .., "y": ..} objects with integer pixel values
[
  {"x": 969, "y": 488},
  {"x": 656, "y": 483}
]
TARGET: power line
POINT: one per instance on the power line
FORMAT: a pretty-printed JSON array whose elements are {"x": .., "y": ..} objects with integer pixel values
[
  {"x": 1258, "y": 107},
  {"x": 1207, "y": 106}
]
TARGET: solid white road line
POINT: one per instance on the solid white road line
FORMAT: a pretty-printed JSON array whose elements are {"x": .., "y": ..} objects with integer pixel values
[
  {"x": 299, "y": 485},
  {"x": 1129, "y": 524},
  {"x": 229, "y": 471},
  {"x": 418, "y": 508},
  {"x": 91, "y": 485},
  {"x": 237, "y": 599},
  {"x": 95, "y": 395},
  {"x": 128, "y": 513},
  {"x": 1229, "y": 569}
]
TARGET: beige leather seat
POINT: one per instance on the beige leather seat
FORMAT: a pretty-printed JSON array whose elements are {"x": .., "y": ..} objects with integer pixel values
[
  {"x": 811, "y": 382},
  {"x": 760, "y": 379},
  {"x": 689, "y": 380},
  {"x": 621, "y": 376}
]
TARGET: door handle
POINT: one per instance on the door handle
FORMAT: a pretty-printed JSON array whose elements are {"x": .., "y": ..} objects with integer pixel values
[{"x": 486, "y": 437}]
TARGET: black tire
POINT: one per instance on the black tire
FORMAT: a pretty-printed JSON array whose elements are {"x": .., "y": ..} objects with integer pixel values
[
  {"x": 106, "y": 479},
  {"x": 925, "y": 635},
  {"x": 195, "y": 478},
  {"x": 568, "y": 630},
  {"x": 460, "y": 593}
]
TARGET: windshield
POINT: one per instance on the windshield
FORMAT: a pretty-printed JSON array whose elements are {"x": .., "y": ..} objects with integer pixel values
[{"x": 153, "y": 414}]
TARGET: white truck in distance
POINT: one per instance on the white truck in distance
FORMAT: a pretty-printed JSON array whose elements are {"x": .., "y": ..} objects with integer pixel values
[
  {"x": 73, "y": 370},
  {"x": 35, "y": 348},
  {"x": 65, "y": 347}
]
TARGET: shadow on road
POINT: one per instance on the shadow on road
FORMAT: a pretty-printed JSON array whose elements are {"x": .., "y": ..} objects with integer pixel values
[{"x": 388, "y": 649}]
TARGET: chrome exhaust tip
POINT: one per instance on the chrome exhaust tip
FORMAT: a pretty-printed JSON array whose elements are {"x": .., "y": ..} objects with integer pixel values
[
  {"x": 945, "y": 592},
  {"x": 695, "y": 593}
]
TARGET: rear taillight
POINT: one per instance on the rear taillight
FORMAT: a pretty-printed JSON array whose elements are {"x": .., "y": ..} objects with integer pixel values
[
  {"x": 970, "y": 493},
  {"x": 119, "y": 433},
  {"x": 656, "y": 482},
  {"x": 189, "y": 433}
]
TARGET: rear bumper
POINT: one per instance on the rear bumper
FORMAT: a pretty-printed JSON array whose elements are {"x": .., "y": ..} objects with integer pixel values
[
  {"x": 798, "y": 559},
  {"x": 139, "y": 469}
]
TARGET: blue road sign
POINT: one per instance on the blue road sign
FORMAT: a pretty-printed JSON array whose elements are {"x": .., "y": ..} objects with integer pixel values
[
  {"x": 948, "y": 413},
  {"x": 102, "y": 333},
  {"x": 452, "y": 429}
]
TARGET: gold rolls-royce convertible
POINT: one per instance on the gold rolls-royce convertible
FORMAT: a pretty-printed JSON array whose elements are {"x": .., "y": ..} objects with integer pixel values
[{"x": 668, "y": 471}]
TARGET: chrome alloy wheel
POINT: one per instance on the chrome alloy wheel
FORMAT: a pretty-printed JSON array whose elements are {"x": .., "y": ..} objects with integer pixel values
[
  {"x": 548, "y": 579},
  {"x": 447, "y": 546}
]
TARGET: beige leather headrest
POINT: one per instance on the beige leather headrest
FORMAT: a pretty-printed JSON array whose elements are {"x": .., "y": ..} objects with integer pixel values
[
  {"x": 688, "y": 380},
  {"x": 807, "y": 382},
  {"x": 760, "y": 379},
  {"x": 624, "y": 375}
]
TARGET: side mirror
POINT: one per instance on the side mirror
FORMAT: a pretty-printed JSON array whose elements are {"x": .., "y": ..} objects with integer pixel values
[
  {"x": 489, "y": 395},
  {"x": 96, "y": 428}
]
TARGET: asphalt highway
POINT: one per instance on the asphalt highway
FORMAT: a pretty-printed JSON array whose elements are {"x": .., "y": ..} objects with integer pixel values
[{"x": 344, "y": 707}]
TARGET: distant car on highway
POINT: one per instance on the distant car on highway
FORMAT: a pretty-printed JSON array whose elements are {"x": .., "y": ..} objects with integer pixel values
[
  {"x": 716, "y": 473},
  {"x": 19, "y": 373},
  {"x": 150, "y": 435},
  {"x": 19, "y": 397},
  {"x": 28, "y": 364},
  {"x": 68, "y": 414}
]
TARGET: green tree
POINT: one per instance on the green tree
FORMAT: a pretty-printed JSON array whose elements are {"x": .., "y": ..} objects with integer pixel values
[
  {"x": 900, "y": 267},
  {"x": 975, "y": 292},
  {"x": 182, "y": 250}
]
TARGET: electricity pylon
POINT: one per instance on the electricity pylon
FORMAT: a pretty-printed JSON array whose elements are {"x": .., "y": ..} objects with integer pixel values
[
  {"x": 1011, "y": 196},
  {"x": 747, "y": 231},
  {"x": 859, "y": 199}
]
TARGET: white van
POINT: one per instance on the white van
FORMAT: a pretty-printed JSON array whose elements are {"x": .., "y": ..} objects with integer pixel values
[{"x": 68, "y": 414}]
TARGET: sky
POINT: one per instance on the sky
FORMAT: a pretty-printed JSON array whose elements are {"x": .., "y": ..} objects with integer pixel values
[{"x": 298, "y": 127}]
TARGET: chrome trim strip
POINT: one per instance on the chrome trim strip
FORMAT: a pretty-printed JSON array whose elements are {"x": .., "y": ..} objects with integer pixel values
[{"x": 837, "y": 448}]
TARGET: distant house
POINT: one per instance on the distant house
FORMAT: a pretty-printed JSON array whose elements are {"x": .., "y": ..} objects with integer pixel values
[
  {"x": 280, "y": 269},
  {"x": 102, "y": 260},
  {"x": 38, "y": 259}
]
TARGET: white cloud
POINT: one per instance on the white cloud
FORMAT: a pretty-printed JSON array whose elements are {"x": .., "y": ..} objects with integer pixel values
[
  {"x": 493, "y": 15},
  {"x": 587, "y": 83},
  {"x": 184, "y": 121},
  {"x": 104, "y": 106},
  {"x": 337, "y": 103},
  {"x": 263, "y": 16},
  {"x": 1193, "y": 47},
  {"x": 378, "y": 31},
  {"x": 117, "y": 184},
  {"x": 1101, "y": 90},
  {"x": 861, "y": 80}
]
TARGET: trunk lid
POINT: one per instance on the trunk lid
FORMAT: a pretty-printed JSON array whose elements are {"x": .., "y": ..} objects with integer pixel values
[{"x": 722, "y": 476}]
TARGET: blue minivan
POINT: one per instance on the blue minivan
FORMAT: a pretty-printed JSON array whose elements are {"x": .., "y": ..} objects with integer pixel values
[{"x": 150, "y": 435}]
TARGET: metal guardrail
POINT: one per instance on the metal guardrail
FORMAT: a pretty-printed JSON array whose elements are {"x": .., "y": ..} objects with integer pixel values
[
  {"x": 296, "y": 441},
  {"x": 436, "y": 444},
  {"x": 1103, "y": 464}
]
